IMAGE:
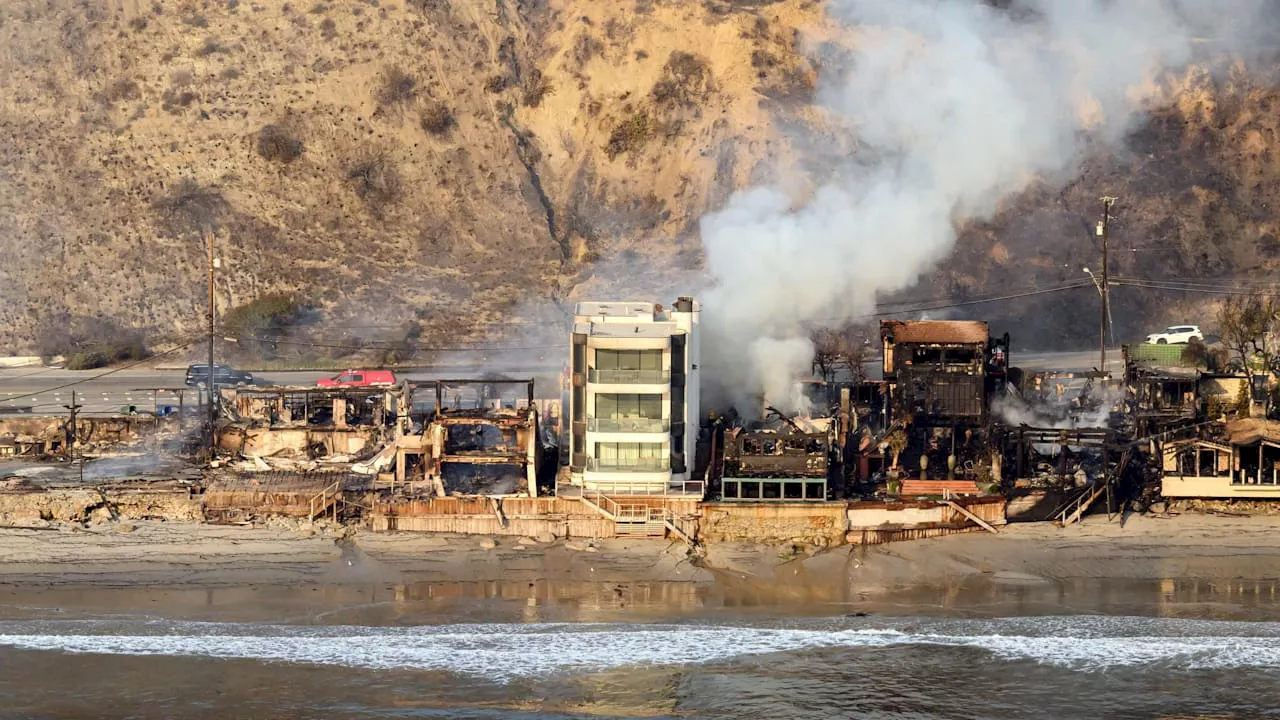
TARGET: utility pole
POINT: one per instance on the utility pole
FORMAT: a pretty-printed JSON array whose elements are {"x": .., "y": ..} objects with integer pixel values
[
  {"x": 211, "y": 390},
  {"x": 1102, "y": 230},
  {"x": 71, "y": 433}
]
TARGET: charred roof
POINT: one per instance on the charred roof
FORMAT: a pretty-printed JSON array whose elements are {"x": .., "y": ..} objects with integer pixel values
[{"x": 935, "y": 332}]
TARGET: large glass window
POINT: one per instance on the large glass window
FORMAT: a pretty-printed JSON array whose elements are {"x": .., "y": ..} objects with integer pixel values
[
  {"x": 614, "y": 407},
  {"x": 628, "y": 360}
]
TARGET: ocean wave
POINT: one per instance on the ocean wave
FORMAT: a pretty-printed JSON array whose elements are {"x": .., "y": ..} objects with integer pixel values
[{"x": 509, "y": 651}]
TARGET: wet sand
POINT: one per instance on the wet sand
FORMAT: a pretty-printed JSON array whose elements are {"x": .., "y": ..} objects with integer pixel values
[{"x": 1205, "y": 565}]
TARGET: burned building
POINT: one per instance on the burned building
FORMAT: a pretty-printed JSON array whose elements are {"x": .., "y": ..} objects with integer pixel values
[
  {"x": 939, "y": 369},
  {"x": 308, "y": 421},
  {"x": 792, "y": 465},
  {"x": 492, "y": 449},
  {"x": 942, "y": 377}
]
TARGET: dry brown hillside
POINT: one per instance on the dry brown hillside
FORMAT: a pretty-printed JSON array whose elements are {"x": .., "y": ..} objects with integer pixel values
[
  {"x": 378, "y": 158},
  {"x": 428, "y": 160}
]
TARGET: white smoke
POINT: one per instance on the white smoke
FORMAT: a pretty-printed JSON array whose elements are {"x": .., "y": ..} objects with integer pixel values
[{"x": 954, "y": 105}]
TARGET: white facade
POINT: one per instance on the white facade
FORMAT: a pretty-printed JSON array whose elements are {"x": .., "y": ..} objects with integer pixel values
[{"x": 633, "y": 400}]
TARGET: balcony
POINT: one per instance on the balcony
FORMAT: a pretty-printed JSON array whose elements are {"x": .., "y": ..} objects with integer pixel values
[
  {"x": 628, "y": 425},
  {"x": 628, "y": 377},
  {"x": 634, "y": 465}
]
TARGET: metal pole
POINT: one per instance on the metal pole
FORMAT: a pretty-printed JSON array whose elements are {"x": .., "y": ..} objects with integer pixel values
[
  {"x": 1103, "y": 231},
  {"x": 209, "y": 390}
]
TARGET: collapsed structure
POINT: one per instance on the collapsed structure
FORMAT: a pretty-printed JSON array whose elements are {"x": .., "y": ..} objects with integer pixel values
[{"x": 946, "y": 434}]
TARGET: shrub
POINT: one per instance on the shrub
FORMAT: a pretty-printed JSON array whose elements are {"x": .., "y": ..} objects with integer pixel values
[
  {"x": 629, "y": 135},
  {"x": 495, "y": 84},
  {"x": 396, "y": 88},
  {"x": 87, "y": 360},
  {"x": 686, "y": 77},
  {"x": 537, "y": 88},
  {"x": 437, "y": 118},
  {"x": 211, "y": 46},
  {"x": 261, "y": 322},
  {"x": 375, "y": 178},
  {"x": 91, "y": 342},
  {"x": 190, "y": 207},
  {"x": 328, "y": 29},
  {"x": 276, "y": 143},
  {"x": 121, "y": 89}
]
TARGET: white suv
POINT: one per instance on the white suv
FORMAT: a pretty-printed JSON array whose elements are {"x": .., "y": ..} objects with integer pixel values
[{"x": 1176, "y": 334}]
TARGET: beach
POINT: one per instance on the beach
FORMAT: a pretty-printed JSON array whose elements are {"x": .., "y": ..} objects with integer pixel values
[
  {"x": 167, "y": 619},
  {"x": 1213, "y": 551}
]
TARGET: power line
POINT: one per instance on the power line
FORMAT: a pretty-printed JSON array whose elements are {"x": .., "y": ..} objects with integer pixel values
[{"x": 980, "y": 301}]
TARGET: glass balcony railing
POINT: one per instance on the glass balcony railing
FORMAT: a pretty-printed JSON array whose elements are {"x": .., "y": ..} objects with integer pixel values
[
  {"x": 629, "y": 465},
  {"x": 628, "y": 377},
  {"x": 628, "y": 425}
]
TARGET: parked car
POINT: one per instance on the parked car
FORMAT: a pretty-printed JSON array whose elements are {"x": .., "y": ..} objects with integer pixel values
[
  {"x": 1176, "y": 334},
  {"x": 198, "y": 375},
  {"x": 359, "y": 378}
]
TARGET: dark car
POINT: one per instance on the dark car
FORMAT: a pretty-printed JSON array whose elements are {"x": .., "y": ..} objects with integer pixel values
[{"x": 198, "y": 375}]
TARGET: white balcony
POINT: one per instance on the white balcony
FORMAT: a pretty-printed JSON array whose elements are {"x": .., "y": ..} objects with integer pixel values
[
  {"x": 628, "y": 425},
  {"x": 634, "y": 465},
  {"x": 628, "y": 377}
]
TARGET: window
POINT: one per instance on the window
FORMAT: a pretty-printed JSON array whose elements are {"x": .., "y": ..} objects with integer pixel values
[
  {"x": 628, "y": 360},
  {"x": 612, "y": 407},
  {"x": 357, "y": 378},
  {"x": 629, "y": 453}
]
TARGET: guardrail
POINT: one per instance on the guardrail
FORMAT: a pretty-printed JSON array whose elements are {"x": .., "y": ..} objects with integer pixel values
[
  {"x": 637, "y": 465},
  {"x": 628, "y": 377},
  {"x": 321, "y": 501},
  {"x": 628, "y": 425}
]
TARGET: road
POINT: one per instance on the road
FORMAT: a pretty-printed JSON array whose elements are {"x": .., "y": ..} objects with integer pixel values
[{"x": 47, "y": 391}]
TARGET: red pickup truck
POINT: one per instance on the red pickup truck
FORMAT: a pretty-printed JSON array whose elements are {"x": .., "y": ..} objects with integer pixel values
[{"x": 359, "y": 378}]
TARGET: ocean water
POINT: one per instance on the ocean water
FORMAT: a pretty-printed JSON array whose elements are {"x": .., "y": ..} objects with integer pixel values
[{"x": 757, "y": 666}]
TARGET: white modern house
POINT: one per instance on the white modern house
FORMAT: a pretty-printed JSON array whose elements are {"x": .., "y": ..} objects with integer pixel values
[{"x": 633, "y": 398}]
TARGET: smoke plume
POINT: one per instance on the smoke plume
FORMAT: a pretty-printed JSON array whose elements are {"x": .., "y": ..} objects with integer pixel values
[{"x": 953, "y": 106}]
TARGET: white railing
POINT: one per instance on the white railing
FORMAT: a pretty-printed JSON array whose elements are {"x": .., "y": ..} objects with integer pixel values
[
  {"x": 628, "y": 377},
  {"x": 627, "y": 466},
  {"x": 628, "y": 425}
]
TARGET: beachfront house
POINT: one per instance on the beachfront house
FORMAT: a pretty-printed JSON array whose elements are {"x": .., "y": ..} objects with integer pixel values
[
  {"x": 634, "y": 398},
  {"x": 1245, "y": 466}
]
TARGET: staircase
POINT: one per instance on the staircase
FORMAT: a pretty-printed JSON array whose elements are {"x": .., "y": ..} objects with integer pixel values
[
  {"x": 640, "y": 521},
  {"x": 325, "y": 501},
  {"x": 1073, "y": 510},
  {"x": 631, "y": 520}
]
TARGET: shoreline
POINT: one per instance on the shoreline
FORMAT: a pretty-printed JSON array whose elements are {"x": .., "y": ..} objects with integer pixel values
[{"x": 1193, "y": 564}]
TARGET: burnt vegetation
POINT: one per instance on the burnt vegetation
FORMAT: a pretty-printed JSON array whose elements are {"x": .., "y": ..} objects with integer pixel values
[
  {"x": 686, "y": 80},
  {"x": 395, "y": 88},
  {"x": 89, "y": 342},
  {"x": 629, "y": 135},
  {"x": 260, "y": 324},
  {"x": 436, "y": 118},
  {"x": 278, "y": 144},
  {"x": 374, "y": 177},
  {"x": 191, "y": 208}
]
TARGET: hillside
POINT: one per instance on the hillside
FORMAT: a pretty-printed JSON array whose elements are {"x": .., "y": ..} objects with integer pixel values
[{"x": 424, "y": 168}]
